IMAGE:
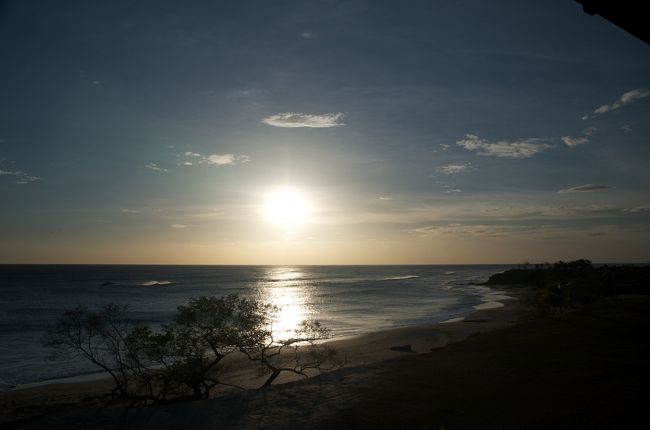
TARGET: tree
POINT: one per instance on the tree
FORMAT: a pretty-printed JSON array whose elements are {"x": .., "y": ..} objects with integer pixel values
[
  {"x": 208, "y": 329},
  {"x": 148, "y": 366},
  {"x": 299, "y": 354},
  {"x": 117, "y": 345}
]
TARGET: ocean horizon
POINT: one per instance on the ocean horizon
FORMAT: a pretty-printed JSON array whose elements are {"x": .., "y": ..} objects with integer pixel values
[{"x": 351, "y": 300}]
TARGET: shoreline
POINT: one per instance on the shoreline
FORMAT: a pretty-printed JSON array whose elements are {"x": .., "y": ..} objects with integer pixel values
[
  {"x": 348, "y": 343},
  {"x": 423, "y": 338},
  {"x": 584, "y": 369},
  {"x": 494, "y": 299},
  {"x": 29, "y": 401}
]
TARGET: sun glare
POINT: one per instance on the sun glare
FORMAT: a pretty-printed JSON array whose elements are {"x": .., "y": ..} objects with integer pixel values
[{"x": 286, "y": 206}]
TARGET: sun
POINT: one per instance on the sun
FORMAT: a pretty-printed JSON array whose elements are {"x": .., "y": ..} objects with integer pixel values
[{"x": 286, "y": 206}]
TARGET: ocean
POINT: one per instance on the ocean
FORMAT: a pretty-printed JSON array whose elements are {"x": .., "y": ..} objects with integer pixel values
[{"x": 350, "y": 300}]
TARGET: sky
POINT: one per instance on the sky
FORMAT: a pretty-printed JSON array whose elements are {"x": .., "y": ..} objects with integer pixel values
[{"x": 380, "y": 132}]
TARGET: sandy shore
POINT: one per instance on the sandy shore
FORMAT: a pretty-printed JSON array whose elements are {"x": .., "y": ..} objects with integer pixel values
[
  {"x": 32, "y": 401},
  {"x": 585, "y": 369}
]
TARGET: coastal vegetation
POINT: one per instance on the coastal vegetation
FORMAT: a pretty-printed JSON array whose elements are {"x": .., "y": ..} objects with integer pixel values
[
  {"x": 182, "y": 360},
  {"x": 564, "y": 285}
]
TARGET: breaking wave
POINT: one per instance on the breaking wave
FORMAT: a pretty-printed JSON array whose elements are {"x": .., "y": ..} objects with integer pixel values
[{"x": 155, "y": 283}]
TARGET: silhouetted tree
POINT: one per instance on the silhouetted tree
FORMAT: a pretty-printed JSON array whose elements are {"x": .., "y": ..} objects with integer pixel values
[
  {"x": 184, "y": 355},
  {"x": 298, "y": 354},
  {"x": 117, "y": 345},
  {"x": 208, "y": 329}
]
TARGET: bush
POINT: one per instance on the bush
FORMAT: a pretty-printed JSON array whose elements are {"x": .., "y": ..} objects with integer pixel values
[
  {"x": 565, "y": 285},
  {"x": 550, "y": 299}
]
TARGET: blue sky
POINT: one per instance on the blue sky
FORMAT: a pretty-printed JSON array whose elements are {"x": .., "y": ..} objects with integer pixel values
[{"x": 418, "y": 132}]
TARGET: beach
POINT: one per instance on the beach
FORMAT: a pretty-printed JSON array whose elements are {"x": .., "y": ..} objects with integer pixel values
[
  {"x": 350, "y": 301},
  {"x": 499, "y": 368},
  {"x": 25, "y": 403}
]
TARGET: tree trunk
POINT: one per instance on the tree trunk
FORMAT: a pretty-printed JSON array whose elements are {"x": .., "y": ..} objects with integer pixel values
[{"x": 274, "y": 374}]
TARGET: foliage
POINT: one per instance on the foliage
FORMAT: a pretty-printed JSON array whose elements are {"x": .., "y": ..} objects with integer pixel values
[
  {"x": 184, "y": 356},
  {"x": 550, "y": 299},
  {"x": 564, "y": 285},
  {"x": 299, "y": 354},
  {"x": 208, "y": 329},
  {"x": 131, "y": 354}
]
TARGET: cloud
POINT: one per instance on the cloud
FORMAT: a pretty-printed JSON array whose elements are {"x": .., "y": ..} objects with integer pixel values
[
  {"x": 638, "y": 209},
  {"x": 385, "y": 198},
  {"x": 574, "y": 141},
  {"x": 295, "y": 120},
  {"x": 453, "y": 191},
  {"x": 130, "y": 211},
  {"x": 225, "y": 159},
  {"x": 625, "y": 99},
  {"x": 532, "y": 230},
  {"x": 414, "y": 214},
  {"x": 307, "y": 34},
  {"x": 24, "y": 178},
  {"x": 584, "y": 188},
  {"x": 178, "y": 226},
  {"x": 579, "y": 140},
  {"x": 451, "y": 169},
  {"x": 627, "y": 127},
  {"x": 244, "y": 94},
  {"x": 155, "y": 166},
  {"x": 474, "y": 230},
  {"x": 21, "y": 177},
  {"x": 523, "y": 148},
  {"x": 213, "y": 159}
]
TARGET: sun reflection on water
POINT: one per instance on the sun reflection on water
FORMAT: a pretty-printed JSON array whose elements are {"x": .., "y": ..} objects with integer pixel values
[{"x": 284, "y": 288}]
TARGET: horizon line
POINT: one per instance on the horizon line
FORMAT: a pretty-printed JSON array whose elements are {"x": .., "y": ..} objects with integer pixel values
[{"x": 322, "y": 265}]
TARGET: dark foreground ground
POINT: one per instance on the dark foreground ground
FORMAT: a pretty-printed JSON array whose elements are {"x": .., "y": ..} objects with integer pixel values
[{"x": 587, "y": 369}]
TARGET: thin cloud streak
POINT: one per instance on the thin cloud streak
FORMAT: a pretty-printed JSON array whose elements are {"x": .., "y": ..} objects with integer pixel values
[
  {"x": 477, "y": 213},
  {"x": 537, "y": 231},
  {"x": 225, "y": 159},
  {"x": 21, "y": 177},
  {"x": 638, "y": 209},
  {"x": 155, "y": 166},
  {"x": 451, "y": 169},
  {"x": 214, "y": 159},
  {"x": 523, "y": 148},
  {"x": 297, "y": 120},
  {"x": 476, "y": 230},
  {"x": 584, "y": 188},
  {"x": 625, "y": 99},
  {"x": 574, "y": 141}
]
